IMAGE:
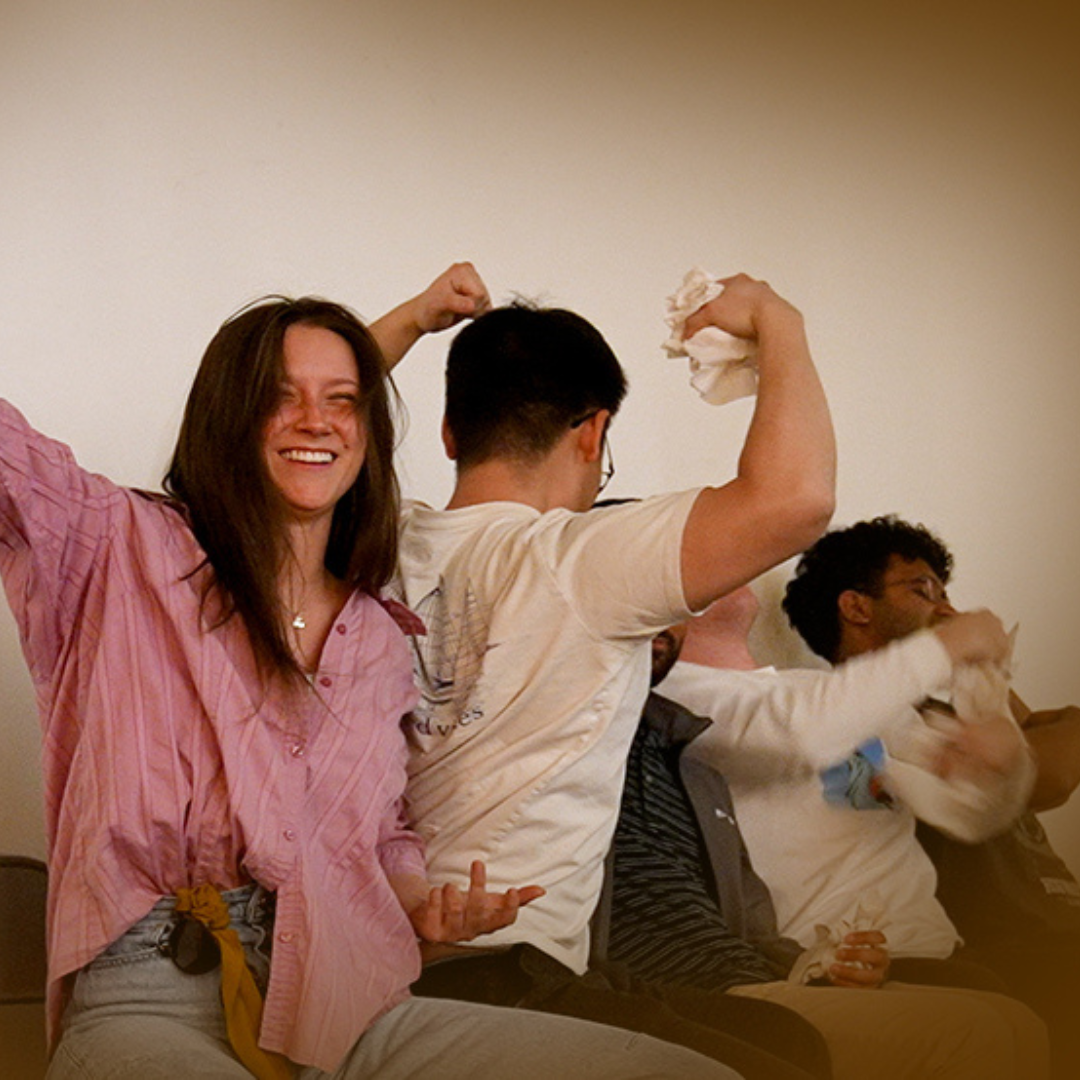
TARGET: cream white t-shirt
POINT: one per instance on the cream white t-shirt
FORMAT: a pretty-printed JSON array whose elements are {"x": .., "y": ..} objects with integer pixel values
[{"x": 533, "y": 675}]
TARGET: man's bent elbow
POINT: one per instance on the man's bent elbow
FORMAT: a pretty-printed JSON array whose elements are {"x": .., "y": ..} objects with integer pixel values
[{"x": 810, "y": 512}]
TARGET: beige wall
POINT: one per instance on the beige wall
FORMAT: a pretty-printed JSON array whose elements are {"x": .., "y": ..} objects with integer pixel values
[{"x": 908, "y": 179}]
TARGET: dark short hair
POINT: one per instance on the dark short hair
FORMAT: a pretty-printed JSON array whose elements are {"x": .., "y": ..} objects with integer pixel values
[
  {"x": 519, "y": 375},
  {"x": 853, "y": 558},
  {"x": 219, "y": 473}
]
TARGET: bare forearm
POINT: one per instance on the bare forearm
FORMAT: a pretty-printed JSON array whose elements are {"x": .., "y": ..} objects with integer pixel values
[
  {"x": 1054, "y": 738},
  {"x": 790, "y": 448},
  {"x": 783, "y": 496},
  {"x": 396, "y": 332}
]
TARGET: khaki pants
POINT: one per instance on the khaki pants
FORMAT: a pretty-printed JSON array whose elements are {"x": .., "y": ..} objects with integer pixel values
[{"x": 909, "y": 1032}]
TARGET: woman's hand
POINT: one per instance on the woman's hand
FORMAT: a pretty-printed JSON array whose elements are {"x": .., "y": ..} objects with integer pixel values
[{"x": 448, "y": 915}]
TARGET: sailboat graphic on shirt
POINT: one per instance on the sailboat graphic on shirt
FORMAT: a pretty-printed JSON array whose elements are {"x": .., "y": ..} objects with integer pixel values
[{"x": 448, "y": 660}]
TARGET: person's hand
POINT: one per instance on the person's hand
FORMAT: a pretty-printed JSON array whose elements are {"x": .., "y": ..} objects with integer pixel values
[
  {"x": 973, "y": 637},
  {"x": 447, "y": 915},
  {"x": 457, "y": 293},
  {"x": 744, "y": 308},
  {"x": 862, "y": 961}
]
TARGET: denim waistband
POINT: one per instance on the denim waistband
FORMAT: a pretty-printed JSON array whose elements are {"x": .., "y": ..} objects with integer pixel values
[
  {"x": 251, "y": 915},
  {"x": 137, "y": 972}
]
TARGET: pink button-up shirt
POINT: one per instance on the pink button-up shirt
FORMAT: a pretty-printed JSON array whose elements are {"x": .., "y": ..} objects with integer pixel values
[{"x": 168, "y": 765}]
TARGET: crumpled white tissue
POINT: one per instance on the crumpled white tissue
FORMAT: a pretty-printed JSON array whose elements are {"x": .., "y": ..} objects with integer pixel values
[
  {"x": 978, "y": 693},
  {"x": 815, "y": 962},
  {"x": 722, "y": 366}
]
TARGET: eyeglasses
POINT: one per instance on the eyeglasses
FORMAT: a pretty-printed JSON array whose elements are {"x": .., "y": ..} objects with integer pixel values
[
  {"x": 929, "y": 588},
  {"x": 607, "y": 461}
]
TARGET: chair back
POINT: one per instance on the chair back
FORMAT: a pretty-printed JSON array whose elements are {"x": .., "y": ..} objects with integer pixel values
[{"x": 23, "y": 885}]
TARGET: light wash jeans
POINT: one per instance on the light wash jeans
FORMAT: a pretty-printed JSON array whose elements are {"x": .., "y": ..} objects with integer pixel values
[{"x": 135, "y": 1016}]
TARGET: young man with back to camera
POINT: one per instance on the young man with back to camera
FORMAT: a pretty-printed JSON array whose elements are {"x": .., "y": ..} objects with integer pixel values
[{"x": 540, "y": 616}]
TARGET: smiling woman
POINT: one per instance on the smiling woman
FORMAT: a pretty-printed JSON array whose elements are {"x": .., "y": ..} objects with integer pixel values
[{"x": 168, "y": 613}]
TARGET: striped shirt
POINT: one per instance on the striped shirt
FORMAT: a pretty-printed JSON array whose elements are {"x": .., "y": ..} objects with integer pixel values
[
  {"x": 167, "y": 764},
  {"x": 666, "y": 920}
]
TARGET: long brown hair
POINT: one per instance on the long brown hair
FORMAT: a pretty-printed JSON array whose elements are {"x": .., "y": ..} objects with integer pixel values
[{"x": 218, "y": 471}]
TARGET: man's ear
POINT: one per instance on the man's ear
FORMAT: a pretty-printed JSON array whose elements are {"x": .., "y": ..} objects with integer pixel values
[
  {"x": 854, "y": 606},
  {"x": 590, "y": 435},
  {"x": 448, "y": 441}
]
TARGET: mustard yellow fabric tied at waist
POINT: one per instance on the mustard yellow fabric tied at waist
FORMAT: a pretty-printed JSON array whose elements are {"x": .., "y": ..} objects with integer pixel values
[{"x": 240, "y": 997}]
